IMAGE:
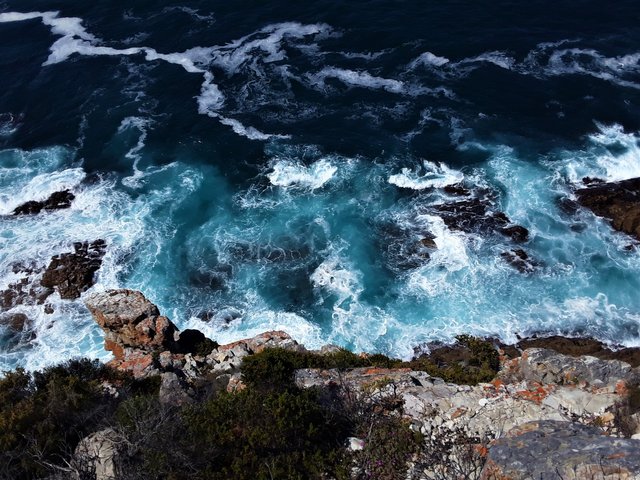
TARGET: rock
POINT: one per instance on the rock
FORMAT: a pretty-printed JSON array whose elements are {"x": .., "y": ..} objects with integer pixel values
[
  {"x": 577, "y": 347},
  {"x": 72, "y": 273},
  {"x": 518, "y": 233},
  {"x": 478, "y": 216},
  {"x": 554, "y": 449},
  {"x": 549, "y": 367},
  {"x": 355, "y": 444},
  {"x": 56, "y": 201},
  {"x": 429, "y": 242},
  {"x": 618, "y": 202},
  {"x": 23, "y": 292},
  {"x": 96, "y": 455},
  {"x": 519, "y": 259},
  {"x": 457, "y": 189},
  {"x": 130, "y": 320},
  {"x": 16, "y": 330},
  {"x": 194, "y": 341},
  {"x": 173, "y": 391}
]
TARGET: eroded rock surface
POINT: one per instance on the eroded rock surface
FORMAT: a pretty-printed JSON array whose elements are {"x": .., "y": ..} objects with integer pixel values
[
  {"x": 73, "y": 273},
  {"x": 561, "y": 450},
  {"x": 56, "y": 201},
  {"x": 618, "y": 202}
]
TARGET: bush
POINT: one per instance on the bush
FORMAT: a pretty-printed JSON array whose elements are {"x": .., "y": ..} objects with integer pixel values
[
  {"x": 44, "y": 415},
  {"x": 471, "y": 361}
]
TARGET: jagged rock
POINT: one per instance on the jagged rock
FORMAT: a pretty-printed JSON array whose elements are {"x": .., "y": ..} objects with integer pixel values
[
  {"x": 15, "y": 329},
  {"x": 72, "y": 273},
  {"x": 519, "y": 259},
  {"x": 517, "y": 233},
  {"x": 173, "y": 391},
  {"x": 553, "y": 449},
  {"x": 577, "y": 347},
  {"x": 194, "y": 341},
  {"x": 96, "y": 455},
  {"x": 23, "y": 292},
  {"x": 56, "y": 201},
  {"x": 619, "y": 202},
  {"x": 130, "y": 320},
  {"x": 476, "y": 215},
  {"x": 228, "y": 358},
  {"x": 549, "y": 367},
  {"x": 457, "y": 189}
]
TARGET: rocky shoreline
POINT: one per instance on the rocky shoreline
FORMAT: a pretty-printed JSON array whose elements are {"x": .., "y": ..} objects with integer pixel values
[
  {"x": 547, "y": 407},
  {"x": 545, "y": 414}
]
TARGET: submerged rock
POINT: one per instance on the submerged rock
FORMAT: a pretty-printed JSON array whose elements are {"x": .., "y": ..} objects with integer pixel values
[
  {"x": 56, "y": 201},
  {"x": 73, "y": 273},
  {"x": 519, "y": 259},
  {"x": 619, "y": 202},
  {"x": 478, "y": 216},
  {"x": 553, "y": 449}
]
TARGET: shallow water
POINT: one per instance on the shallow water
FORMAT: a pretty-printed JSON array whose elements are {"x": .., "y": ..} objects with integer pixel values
[{"x": 254, "y": 167}]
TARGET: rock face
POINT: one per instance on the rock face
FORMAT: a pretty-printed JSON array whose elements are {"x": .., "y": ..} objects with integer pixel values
[
  {"x": 619, "y": 202},
  {"x": 146, "y": 343},
  {"x": 96, "y": 455},
  {"x": 130, "y": 320},
  {"x": 56, "y": 201},
  {"x": 73, "y": 273},
  {"x": 477, "y": 215},
  {"x": 551, "y": 449}
]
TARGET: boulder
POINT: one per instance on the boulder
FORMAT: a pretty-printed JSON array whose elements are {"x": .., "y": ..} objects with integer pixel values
[
  {"x": 56, "y": 201},
  {"x": 130, "y": 320},
  {"x": 619, "y": 202},
  {"x": 96, "y": 455},
  {"x": 556, "y": 449},
  {"x": 73, "y": 273}
]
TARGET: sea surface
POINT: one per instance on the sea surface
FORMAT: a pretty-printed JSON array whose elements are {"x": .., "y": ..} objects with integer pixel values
[{"x": 274, "y": 165}]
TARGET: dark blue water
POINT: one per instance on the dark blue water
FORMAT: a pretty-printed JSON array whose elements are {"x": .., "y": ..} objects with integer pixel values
[{"x": 262, "y": 165}]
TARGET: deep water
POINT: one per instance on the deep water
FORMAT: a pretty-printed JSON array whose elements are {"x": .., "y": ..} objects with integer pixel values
[{"x": 271, "y": 165}]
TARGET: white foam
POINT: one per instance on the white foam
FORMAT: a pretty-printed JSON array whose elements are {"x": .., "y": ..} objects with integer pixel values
[
  {"x": 287, "y": 173},
  {"x": 338, "y": 277},
  {"x": 76, "y": 40},
  {"x": 434, "y": 176},
  {"x": 428, "y": 59},
  {"x": 141, "y": 124},
  {"x": 500, "y": 59},
  {"x": 612, "y": 155},
  {"x": 355, "y": 79}
]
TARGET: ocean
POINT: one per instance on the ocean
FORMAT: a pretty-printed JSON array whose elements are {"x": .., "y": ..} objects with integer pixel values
[{"x": 281, "y": 165}]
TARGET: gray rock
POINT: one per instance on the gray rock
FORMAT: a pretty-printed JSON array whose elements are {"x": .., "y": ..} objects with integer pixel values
[
  {"x": 549, "y": 367},
  {"x": 561, "y": 450},
  {"x": 96, "y": 455},
  {"x": 173, "y": 391}
]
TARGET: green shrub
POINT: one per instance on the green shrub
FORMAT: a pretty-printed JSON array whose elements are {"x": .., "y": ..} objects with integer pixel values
[
  {"x": 44, "y": 415},
  {"x": 471, "y": 361},
  {"x": 389, "y": 445}
]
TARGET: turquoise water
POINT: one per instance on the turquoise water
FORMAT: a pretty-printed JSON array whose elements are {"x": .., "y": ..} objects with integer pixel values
[{"x": 277, "y": 168}]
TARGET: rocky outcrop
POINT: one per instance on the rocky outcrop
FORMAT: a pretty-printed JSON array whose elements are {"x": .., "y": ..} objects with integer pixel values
[
  {"x": 56, "y": 201},
  {"x": 73, "y": 273},
  {"x": 476, "y": 215},
  {"x": 561, "y": 450},
  {"x": 543, "y": 411},
  {"x": 129, "y": 320},
  {"x": 146, "y": 343},
  {"x": 618, "y": 202}
]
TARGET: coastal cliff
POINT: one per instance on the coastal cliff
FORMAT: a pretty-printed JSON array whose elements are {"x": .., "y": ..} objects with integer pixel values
[{"x": 544, "y": 414}]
